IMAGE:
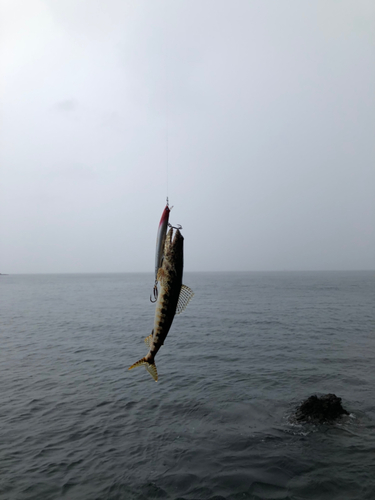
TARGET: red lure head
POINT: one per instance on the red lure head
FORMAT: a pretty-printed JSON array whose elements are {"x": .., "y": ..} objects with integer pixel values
[{"x": 165, "y": 216}]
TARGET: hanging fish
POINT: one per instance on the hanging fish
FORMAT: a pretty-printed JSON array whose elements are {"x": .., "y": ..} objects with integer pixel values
[
  {"x": 160, "y": 241},
  {"x": 172, "y": 299}
]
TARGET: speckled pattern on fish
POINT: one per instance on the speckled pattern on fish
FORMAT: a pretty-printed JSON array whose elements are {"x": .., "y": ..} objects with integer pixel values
[{"x": 173, "y": 297}]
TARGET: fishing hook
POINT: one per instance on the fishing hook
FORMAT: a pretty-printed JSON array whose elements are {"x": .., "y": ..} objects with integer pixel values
[
  {"x": 155, "y": 292},
  {"x": 170, "y": 208},
  {"x": 175, "y": 227}
]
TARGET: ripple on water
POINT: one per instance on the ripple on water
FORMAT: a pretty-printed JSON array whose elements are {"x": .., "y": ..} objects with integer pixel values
[{"x": 77, "y": 424}]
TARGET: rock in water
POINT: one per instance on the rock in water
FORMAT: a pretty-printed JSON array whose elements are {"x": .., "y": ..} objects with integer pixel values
[{"x": 316, "y": 409}]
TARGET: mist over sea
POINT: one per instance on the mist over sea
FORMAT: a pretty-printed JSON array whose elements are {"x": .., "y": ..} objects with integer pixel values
[{"x": 76, "y": 424}]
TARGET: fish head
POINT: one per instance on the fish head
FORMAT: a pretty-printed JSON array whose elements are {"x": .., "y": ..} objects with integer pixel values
[{"x": 174, "y": 246}]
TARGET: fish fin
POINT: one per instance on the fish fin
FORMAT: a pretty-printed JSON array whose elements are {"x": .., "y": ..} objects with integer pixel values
[
  {"x": 150, "y": 367},
  {"x": 186, "y": 294},
  {"x": 148, "y": 340}
]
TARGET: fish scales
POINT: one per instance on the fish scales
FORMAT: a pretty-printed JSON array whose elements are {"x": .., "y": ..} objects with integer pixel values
[
  {"x": 169, "y": 277},
  {"x": 170, "y": 287}
]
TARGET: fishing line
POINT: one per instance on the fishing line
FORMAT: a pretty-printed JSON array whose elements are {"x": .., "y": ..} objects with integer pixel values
[{"x": 166, "y": 100}]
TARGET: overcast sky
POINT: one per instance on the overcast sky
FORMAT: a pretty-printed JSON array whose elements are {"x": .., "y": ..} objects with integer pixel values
[{"x": 256, "y": 117}]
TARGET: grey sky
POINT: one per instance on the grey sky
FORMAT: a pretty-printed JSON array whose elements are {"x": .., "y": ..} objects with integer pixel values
[{"x": 270, "y": 108}]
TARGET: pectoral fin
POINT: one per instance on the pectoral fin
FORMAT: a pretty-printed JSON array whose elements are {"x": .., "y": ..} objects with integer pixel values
[{"x": 186, "y": 294}]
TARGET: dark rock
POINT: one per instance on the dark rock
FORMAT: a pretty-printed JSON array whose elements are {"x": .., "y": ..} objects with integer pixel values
[{"x": 316, "y": 409}]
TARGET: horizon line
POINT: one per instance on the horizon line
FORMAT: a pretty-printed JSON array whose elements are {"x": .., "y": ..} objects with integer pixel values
[{"x": 195, "y": 271}]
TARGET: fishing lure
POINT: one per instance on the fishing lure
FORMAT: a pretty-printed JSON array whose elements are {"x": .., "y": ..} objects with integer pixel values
[{"x": 160, "y": 242}]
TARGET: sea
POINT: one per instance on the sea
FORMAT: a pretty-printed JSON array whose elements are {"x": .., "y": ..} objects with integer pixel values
[{"x": 76, "y": 424}]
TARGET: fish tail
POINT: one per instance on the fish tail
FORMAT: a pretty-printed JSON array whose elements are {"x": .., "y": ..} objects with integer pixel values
[{"x": 149, "y": 365}]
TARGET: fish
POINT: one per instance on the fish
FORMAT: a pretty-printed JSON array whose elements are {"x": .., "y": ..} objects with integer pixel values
[
  {"x": 160, "y": 243},
  {"x": 172, "y": 299}
]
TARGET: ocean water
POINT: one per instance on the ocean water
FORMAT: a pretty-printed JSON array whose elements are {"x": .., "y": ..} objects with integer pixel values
[{"x": 76, "y": 424}]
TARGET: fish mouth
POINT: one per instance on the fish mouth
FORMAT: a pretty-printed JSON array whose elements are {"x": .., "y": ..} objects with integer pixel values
[
  {"x": 177, "y": 237},
  {"x": 173, "y": 242}
]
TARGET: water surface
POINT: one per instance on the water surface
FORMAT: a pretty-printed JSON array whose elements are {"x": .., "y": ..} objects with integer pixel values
[{"x": 76, "y": 424}]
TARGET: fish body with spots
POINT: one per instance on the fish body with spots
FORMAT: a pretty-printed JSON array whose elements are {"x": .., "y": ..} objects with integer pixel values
[{"x": 173, "y": 297}]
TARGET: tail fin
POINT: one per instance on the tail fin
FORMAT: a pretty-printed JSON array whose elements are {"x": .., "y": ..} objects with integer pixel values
[{"x": 149, "y": 365}]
